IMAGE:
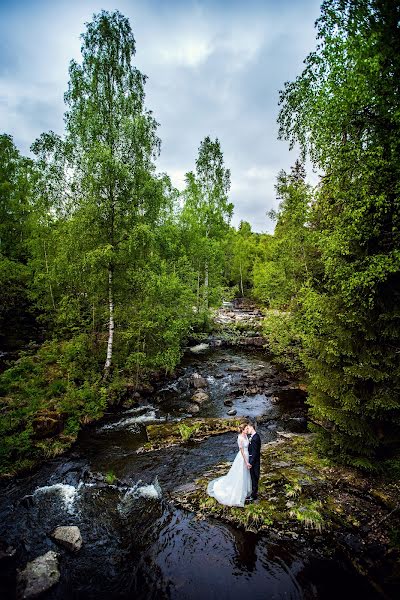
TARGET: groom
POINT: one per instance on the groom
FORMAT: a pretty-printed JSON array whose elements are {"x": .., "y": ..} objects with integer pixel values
[{"x": 254, "y": 459}]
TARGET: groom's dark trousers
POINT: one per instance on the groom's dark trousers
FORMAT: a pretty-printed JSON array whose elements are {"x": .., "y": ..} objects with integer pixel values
[{"x": 254, "y": 460}]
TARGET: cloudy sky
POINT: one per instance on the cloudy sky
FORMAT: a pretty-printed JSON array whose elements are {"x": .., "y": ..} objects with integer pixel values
[{"x": 214, "y": 67}]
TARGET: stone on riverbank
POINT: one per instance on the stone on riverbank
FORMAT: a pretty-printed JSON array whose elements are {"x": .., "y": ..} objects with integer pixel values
[
  {"x": 198, "y": 381},
  {"x": 68, "y": 536},
  {"x": 200, "y": 396},
  {"x": 38, "y": 576}
]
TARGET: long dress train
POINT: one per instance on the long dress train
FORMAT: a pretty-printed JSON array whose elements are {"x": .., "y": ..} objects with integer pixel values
[{"x": 233, "y": 488}]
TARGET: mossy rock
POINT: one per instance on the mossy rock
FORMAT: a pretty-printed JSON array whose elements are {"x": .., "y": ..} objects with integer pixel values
[{"x": 162, "y": 435}]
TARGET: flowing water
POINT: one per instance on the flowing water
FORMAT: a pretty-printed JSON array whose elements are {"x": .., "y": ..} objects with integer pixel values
[{"x": 136, "y": 543}]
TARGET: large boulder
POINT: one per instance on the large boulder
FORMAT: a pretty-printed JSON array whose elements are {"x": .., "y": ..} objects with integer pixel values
[
  {"x": 198, "y": 381},
  {"x": 38, "y": 576},
  {"x": 200, "y": 396},
  {"x": 193, "y": 408},
  {"x": 68, "y": 536}
]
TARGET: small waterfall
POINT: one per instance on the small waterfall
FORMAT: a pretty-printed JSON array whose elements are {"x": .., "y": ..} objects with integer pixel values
[
  {"x": 67, "y": 493},
  {"x": 150, "y": 491},
  {"x": 132, "y": 423}
]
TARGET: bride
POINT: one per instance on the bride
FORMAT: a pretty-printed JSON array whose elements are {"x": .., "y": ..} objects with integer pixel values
[{"x": 233, "y": 488}]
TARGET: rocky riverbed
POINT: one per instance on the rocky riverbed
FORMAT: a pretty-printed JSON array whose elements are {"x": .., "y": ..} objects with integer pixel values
[{"x": 124, "y": 512}]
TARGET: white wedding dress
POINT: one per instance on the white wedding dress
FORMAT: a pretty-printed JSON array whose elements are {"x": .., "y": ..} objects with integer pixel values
[{"x": 233, "y": 488}]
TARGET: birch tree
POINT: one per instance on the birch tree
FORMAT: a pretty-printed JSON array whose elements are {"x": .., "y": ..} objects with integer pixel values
[
  {"x": 109, "y": 148},
  {"x": 208, "y": 210}
]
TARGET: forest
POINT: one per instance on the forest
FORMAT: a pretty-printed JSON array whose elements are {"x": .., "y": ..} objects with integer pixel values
[{"x": 107, "y": 270}]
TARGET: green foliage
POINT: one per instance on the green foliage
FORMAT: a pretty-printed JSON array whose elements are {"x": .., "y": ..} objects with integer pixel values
[
  {"x": 17, "y": 315},
  {"x": 47, "y": 397},
  {"x": 309, "y": 514},
  {"x": 110, "y": 477},
  {"x": 188, "y": 432},
  {"x": 284, "y": 339},
  {"x": 343, "y": 111},
  {"x": 292, "y": 490},
  {"x": 279, "y": 275},
  {"x": 205, "y": 221}
]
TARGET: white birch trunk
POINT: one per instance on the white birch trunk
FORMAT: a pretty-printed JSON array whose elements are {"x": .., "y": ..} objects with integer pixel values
[
  {"x": 198, "y": 292},
  {"x": 206, "y": 284},
  {"x": 107, "y": 364}
]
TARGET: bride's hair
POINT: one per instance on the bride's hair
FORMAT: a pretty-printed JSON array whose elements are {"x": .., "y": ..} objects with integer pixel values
[{"x": 242, "y": 425}]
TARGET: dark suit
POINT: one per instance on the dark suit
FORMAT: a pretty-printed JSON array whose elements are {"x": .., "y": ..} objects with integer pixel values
[{"x": 254, "y": 460}]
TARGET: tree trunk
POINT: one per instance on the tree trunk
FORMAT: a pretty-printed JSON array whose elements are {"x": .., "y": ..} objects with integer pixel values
[
  {"x": 107, "y": 364},
  {"x": 47, "y": 271},
  {"x": 206, "y": 285},
  {"x": 198, "y": 292},
  {"x": 241, "y": 278}
]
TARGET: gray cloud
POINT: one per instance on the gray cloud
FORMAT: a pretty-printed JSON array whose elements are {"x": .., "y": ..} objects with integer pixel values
[{"x": 214, "y": 68}]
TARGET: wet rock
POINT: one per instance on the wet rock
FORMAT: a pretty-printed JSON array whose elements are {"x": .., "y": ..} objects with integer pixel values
[
  {"x": 252, "y": 391},
  {"x": 7, "y": 566},
  {"x": 232, "y": 412},
  {"x": 228, "y": 402},
  {"x": 198, "y": 381},
  {"x": 131, "y": 390},
  {"x": 297, "y": 424},
  {"x": 145, "y": 389},
  {"x": 234, "y": 368},
  {"x": 167, "y": 434},
  {"x": 47, "y": 424},
  {"x": 193, "y": 408},
  {"x": 257, "y": 341},
  {"x": 200, "y": 396},
  {"x": 236, "y": 392},
  {"x": 69, "y": 537},
  {"x": 39, "y": 575},
  {"x": 353, "y": 542}
]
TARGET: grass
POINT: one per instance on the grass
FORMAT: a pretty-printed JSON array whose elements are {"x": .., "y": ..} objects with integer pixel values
[{"x": 188, "y": 432}]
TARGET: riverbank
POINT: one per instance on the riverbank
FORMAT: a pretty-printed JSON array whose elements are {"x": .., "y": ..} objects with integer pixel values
[{"x": 304, "y": 496}]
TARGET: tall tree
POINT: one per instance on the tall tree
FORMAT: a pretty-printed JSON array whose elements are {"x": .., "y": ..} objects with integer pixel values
[
  {"x": 343, "y": 110},
  {"x": 208, "y": 211},
  {"x": 17, "y": 176},
  {"x": 279, "y": 276},
  {"x": 108, "y": 150}
]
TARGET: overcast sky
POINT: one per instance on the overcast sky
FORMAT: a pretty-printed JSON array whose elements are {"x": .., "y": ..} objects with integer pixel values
[{"x": 214, "y": 68}]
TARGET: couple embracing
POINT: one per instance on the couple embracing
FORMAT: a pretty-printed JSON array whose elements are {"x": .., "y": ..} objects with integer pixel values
[{"x": 241, "y": 482}]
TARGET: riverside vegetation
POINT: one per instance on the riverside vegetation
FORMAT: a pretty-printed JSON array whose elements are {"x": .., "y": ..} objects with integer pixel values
[{"x": 107, "y": 271}]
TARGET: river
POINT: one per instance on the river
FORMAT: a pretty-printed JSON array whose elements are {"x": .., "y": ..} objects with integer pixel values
[{"x": 136, "y": 543}]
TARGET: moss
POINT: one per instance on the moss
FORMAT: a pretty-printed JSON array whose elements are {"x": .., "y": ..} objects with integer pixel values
[{"x": 163, "y": 435}]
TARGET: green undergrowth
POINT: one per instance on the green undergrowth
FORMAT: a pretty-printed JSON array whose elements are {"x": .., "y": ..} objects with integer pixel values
[{"x": 47, "y": 396}]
